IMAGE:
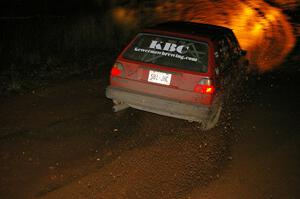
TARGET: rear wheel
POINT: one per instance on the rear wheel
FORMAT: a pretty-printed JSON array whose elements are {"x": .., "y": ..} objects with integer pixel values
[{"x": 213, "y": 118}]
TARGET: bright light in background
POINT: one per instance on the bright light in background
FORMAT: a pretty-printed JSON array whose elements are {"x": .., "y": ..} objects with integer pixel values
[
  {"x": 263, "y": 30},
  {"x": 124, "y": 16}
]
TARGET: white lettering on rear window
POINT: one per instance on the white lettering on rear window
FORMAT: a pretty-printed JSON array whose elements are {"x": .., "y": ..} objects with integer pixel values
[
  {"x": 154, "y": 52},
  {"x": 171, "y": 47}
]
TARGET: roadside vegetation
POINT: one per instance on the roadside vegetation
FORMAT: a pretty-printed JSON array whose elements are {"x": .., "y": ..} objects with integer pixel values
[{"x": 35, "y": 50}]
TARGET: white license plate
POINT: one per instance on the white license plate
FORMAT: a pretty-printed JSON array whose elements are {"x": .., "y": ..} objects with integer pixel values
[{"x": 159, "y": 77}]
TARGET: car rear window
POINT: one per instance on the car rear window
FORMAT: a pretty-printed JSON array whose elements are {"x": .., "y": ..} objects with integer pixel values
[{"x": 169, "y": 51}]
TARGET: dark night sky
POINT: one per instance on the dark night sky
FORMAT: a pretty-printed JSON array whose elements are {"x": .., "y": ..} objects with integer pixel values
[
  {"x": 56, "y": 7},
  {"x": 46, "y": 7},
  {"x": 23, "y": 8}
]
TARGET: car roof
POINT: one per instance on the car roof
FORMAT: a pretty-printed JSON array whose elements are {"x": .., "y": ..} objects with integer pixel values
[{"x": 192, "y": 28}]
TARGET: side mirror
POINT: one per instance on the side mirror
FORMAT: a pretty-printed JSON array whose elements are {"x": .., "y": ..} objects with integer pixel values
[{"x": 243, "y": 53}]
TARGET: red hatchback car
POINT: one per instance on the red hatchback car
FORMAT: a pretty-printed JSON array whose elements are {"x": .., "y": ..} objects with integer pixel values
[{"x": 178, "y": 69}]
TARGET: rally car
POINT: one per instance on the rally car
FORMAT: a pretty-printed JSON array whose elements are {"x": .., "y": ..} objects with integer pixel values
[{"x": 178, "y": 69}]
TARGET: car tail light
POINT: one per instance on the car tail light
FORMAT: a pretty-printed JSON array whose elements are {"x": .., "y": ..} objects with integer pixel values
[
  {"x": 117, "y": 69},
  {"x": 205, "y": 86}
]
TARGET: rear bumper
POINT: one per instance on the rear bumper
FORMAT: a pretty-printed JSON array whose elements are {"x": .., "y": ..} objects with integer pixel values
[{"x": 158, "y": 105}]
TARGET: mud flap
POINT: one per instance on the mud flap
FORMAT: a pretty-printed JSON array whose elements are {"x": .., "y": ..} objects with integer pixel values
[{"x": 213, "y": 119}]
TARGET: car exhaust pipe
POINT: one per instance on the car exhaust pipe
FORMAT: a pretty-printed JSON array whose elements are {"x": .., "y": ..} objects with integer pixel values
[{"x": 119, "y": 107}]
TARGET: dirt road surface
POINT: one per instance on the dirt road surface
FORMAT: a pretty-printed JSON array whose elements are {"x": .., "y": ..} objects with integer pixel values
[{"x": 63, "y": 141}]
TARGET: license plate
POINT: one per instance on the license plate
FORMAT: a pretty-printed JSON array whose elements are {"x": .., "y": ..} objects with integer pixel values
[{"x": 159, "y": 77}]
